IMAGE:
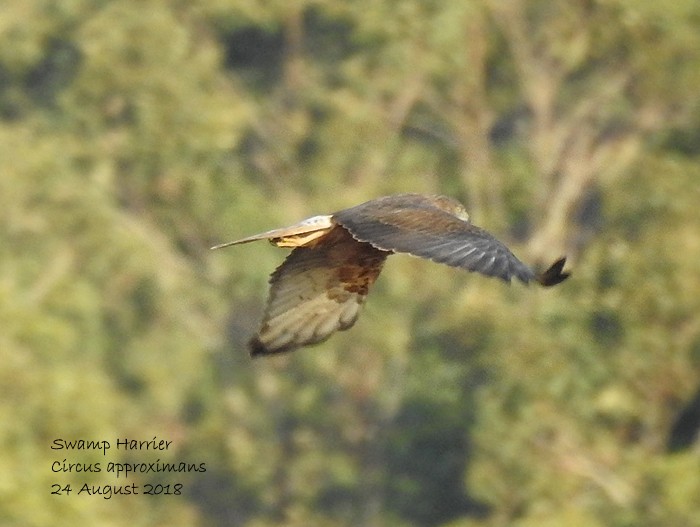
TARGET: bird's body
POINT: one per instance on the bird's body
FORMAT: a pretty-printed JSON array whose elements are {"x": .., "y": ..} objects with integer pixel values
[{"x": 322, "y": 284}]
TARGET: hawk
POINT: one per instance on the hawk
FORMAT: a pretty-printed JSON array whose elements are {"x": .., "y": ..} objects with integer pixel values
[{"x": 323, "y": 283}]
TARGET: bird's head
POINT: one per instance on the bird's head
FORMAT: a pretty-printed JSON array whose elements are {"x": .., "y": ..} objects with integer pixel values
[{"x": 452, "y": 206}]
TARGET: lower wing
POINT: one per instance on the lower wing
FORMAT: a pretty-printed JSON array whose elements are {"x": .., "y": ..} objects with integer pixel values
[{"x": 317, "y": 291}]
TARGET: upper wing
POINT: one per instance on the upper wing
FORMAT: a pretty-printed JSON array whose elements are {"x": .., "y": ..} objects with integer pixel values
[
  {"x": 317, "y": 291},
  {"x": 419, "y": 228}
]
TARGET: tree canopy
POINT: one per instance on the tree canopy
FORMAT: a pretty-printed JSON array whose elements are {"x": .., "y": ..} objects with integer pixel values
[{"x": 136, "y": 134}]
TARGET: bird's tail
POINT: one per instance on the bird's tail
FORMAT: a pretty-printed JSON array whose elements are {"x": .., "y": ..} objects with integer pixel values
[{"x": 296, "y": 235}]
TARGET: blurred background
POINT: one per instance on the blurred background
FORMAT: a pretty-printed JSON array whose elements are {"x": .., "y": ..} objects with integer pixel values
[{"x": 136, "y": 134}]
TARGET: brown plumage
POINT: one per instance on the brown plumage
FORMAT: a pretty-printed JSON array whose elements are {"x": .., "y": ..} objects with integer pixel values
[{"x": 321, "y": 286}]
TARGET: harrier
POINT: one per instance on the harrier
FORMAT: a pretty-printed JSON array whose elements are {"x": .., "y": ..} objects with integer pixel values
[{"x": 324, "y": 281}]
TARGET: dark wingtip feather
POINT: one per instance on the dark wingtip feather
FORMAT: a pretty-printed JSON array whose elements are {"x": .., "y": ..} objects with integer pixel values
[
  {"x": 554, "y": 274},
  {"x": 258, "y": 349}
]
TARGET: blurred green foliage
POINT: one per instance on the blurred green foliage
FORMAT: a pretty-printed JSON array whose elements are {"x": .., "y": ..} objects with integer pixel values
[{"x": 135, "y": 134}]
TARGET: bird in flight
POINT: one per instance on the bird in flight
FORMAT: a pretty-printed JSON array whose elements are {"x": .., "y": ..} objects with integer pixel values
[{"x": 322, "y": 284}]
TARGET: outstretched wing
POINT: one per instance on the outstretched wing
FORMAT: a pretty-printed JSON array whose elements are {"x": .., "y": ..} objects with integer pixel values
[
  {"x": 317, "y": 291},
  {"x": 414, "y": 224}
]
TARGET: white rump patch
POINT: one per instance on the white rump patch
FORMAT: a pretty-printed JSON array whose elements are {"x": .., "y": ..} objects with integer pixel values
[{"x": 322, "y": 222}]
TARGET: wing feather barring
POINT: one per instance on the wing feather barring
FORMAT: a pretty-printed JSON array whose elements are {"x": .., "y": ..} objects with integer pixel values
[{"x": 322, "y": 284}]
